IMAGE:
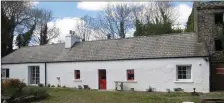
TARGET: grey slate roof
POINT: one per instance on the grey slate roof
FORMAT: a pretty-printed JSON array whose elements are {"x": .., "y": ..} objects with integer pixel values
[{"x": 168, "y": 45}]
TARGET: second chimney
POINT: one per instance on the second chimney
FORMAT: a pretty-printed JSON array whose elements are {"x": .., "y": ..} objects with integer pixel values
[{"x": 71, "y": 39}]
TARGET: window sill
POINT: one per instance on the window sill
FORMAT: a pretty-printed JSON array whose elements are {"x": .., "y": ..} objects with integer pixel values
[
  {"x": 131, "y": 81},
  {"x": 189, "y": 81},
  {"x": 77, "y": 80}
]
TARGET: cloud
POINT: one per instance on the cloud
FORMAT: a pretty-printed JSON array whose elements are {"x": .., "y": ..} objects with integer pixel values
[
  {"x": 98, "y": 6},
  {"x": 92, "y": 6},
  {"x": 64, "y": 25},
  {"x": 183, "y": 13},
  {"x": 69, "y": 23},
  {"x": 34, "y": 3}
]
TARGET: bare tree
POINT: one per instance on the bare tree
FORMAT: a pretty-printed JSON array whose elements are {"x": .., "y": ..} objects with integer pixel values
[
  {"x": 82, "y": 28},
  {"x": 114, "y": 20},
  {"x": 44, "y": 33}
]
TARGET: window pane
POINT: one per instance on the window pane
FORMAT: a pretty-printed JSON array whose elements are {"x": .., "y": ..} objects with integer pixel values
[
  {"x": 77, "y": 76},
  {"x": 184, "y": 76},
  {"x": 7, "y": 73},
  {"x": 188, "y": 77},
  {"x": 37, "y": 80},
  {"x": 188, "y": 72},
  {"x": 37, "y": 75},
  {"x": 180, "y": 72},
  {"x": 179, "y": 77},
  {"x": 184, "y": 72},
  {"x": 33, "y": 75},
  {"x": 37, "y": 70}
]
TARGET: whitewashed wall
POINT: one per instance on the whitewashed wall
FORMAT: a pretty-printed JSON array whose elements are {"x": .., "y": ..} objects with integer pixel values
[
  {"x": 20, "y": 71},
  {"x": 157, "y": 73}
]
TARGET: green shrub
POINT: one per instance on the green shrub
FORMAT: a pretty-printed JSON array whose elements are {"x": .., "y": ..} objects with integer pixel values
[
  {"x": 59, "y": 85},
  {"x": 64, "y": 86},
  {"x": 48, "y": 85},
  {"x": 19, "y": 92},
  {"x": 12, "y": 87},
  {"x": 40, "y": 85},
  {"x": 52, "y": 86},
  {"x": 35, "y": 91}
]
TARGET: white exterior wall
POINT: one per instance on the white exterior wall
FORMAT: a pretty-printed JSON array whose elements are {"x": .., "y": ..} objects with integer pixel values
[
  {"x": 157, "y": 73},
  {"x": 20, "y": 71}
]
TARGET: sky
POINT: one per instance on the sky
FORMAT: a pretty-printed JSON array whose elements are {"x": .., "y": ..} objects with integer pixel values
[{"x": 66, "y": 14}]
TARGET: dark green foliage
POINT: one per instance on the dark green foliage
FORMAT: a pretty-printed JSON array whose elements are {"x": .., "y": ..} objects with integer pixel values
[
  {"x": 7, "y": 29},
  {"x": 20, "y": 93},
  {"x": 156, "y": 27},
  {"x": 24, "y": 39},
  {"x": 58, "y": 85},
  {"x": 38, "y": 92},
  {"x": 12, "y": 87},
  {"x": 40, "y": 85},
  {"x": 52, "y": 86},
  {"x": 64, "y": 86},
  {"x": 49, "y": 85},
  {"x": 43, "y": 35},
  {"x": 139, "y": 28},
  {"x": 122, "y": 34},
  {"x": 190, "y": 22}
]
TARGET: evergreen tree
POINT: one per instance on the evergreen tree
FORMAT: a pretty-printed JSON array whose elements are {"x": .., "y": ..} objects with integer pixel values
[{"x": 190, "y": 22}]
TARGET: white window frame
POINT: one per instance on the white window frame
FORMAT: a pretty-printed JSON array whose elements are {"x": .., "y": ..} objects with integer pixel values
[
  {"x": 184, "y": 80},
  {"x": 4, "y": 71},
  {"x": 33, "y": 78}
]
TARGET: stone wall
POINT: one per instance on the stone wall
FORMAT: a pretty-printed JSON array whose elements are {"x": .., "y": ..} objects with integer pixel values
[{"x": 207, "y": 29}]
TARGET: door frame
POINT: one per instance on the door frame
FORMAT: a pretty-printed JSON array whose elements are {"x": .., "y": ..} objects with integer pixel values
[{"x": 98, "y": 79}]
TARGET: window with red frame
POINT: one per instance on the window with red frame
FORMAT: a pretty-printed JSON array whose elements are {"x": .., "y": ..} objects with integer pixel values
[
  {"x": 130, "y": 74},
  {"x": 77, "y": 74}
]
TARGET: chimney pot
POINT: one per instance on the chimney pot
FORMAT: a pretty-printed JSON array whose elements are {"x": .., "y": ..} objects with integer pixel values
[{"x": 70, "y": 31}]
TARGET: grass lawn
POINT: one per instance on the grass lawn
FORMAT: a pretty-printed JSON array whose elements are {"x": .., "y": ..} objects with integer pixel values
[{"x": 61, "y": 95}]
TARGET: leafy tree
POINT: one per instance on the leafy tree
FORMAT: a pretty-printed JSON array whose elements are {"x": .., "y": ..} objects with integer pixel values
[
  {"x": 139, "y": 28},
  {"x": 24, "y": 39},
  {"x": 14, "y": 13},
  {"x": 190, "y": 22}
]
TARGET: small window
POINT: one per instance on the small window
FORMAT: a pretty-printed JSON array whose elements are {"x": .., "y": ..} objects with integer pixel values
[
  {"x": 34, "y": 74},
  {"x": 5, "y": 73},
  {"x": 130, "y": 74},
  {"x": 219, "y": 18},
  {"x": 218, "y": 45},
  {"x": 183, "y": 72},
  {"x": 77, "y": 74}
]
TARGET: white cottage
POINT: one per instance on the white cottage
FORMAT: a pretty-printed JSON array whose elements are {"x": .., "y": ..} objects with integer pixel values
[{"x": 161, "y": 62}]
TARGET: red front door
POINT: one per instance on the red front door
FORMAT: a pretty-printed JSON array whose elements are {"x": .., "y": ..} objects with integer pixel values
[{"x": 102, "y": 79}]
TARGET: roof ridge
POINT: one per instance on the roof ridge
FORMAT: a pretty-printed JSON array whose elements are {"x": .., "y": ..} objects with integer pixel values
[{"x": 185, "y": 33}]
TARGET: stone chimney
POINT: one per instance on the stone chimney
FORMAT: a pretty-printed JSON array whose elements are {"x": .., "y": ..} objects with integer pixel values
[{"x": 71, "y": 39}]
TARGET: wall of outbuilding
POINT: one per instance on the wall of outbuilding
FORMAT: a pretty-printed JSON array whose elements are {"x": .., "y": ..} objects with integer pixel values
[{"x": 157, "y": 73}]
